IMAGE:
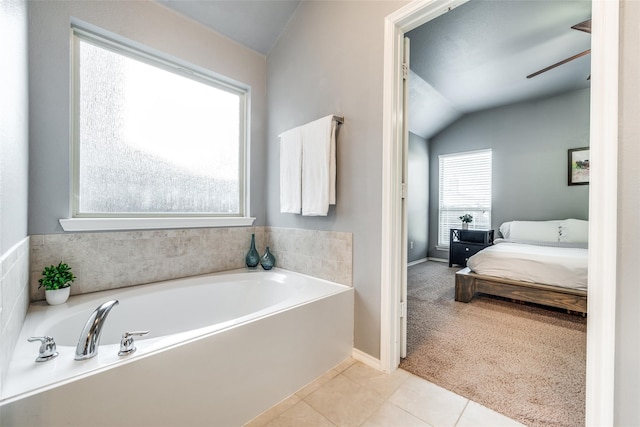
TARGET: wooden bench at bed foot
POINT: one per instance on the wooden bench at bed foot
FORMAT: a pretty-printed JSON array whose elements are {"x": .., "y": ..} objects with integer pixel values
[{"x": 468, "y": 283}]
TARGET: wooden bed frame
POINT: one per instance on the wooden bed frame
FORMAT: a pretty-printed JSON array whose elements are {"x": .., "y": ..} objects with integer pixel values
[{"x": 468, "y": 283}]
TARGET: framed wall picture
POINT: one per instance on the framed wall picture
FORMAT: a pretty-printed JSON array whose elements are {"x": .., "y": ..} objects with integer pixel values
[{"x": 579, "y": 166}]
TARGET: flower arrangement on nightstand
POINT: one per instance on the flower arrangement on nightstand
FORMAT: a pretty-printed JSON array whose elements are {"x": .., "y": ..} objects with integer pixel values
[{"x": 466, "y": 219}]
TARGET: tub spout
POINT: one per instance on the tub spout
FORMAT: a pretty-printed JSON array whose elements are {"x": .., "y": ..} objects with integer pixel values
[{"x": 90, "y": 337}]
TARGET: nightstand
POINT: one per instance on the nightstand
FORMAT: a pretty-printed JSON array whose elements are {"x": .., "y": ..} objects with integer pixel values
[{"x": 465, "y": 243}]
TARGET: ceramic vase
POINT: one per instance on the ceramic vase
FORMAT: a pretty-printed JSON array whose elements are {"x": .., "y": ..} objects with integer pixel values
[
  {"x": 253, "y": 257},
  {"x": 268, "y": 261},
  {"x": 57, "y": 296},
  {"x": 465, "y": 225}
]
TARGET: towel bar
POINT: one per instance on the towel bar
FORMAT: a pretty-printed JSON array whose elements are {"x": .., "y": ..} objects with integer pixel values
[{"x": 338, "y": 119}]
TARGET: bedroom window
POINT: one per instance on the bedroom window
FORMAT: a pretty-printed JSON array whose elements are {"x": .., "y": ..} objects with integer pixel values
[
  {"x": 465, "y": 187},
  {"x": 153, "y": 138}
]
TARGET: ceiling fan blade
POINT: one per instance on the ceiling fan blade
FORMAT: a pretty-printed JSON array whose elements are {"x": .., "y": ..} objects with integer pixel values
[
  {"x": 557, "y": 64},
  {"x": 583, "y": 26}
]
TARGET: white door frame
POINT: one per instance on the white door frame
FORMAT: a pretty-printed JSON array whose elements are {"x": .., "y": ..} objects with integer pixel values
[{"x": 602, "y": 195}]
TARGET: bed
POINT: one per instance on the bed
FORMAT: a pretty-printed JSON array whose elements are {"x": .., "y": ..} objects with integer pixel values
[{"x": 543, "y": 262}]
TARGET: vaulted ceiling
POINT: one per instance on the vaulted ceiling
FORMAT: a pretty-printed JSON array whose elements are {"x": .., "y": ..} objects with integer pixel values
[
  {"x": 474, "y": 57},
  {"x": 478, "y": 55}
]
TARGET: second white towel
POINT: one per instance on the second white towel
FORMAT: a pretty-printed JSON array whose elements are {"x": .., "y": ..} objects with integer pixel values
[{"x": 318, "y": 166}]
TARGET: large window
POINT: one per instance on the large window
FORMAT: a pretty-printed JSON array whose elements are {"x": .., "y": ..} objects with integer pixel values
[
  {"x": 465, "y": 188},
  {"x": 153, "y": 138}
]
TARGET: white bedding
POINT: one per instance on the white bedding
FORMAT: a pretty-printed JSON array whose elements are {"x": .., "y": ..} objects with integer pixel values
[{"x": 558, "y": 266}]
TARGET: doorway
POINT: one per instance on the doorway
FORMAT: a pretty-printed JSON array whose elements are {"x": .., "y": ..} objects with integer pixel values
[{"x": 602, "y": 195}]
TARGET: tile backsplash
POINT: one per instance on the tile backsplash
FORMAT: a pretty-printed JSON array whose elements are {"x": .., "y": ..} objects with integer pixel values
[
  {"x": 110, "y": 260},
  {"x": 324, "y": 254}
]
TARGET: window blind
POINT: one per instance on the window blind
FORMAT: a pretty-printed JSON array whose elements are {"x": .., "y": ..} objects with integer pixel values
[{"x": 465, "y": 187}]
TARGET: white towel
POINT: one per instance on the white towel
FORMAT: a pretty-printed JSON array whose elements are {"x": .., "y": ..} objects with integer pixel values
[
  {"x": 332, "y": 164},
  {"x": 318, "y": 166},
  {"x": 290, "y": 170}
]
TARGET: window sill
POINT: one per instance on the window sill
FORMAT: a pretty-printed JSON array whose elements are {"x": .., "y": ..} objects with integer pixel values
[
  {"x": 117, "y": 224},
  {"x": 442, "y": 248}
]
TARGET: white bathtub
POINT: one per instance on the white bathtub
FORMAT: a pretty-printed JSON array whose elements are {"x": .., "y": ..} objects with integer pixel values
[{"x": 222, "y": 348}]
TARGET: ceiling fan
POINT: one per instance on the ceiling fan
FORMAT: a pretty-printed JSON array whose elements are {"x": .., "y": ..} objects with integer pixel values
[{"x": 583, "y": 26}]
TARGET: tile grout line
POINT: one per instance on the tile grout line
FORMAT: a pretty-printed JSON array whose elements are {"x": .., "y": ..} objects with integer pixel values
[
  {"x": 410, "y": 413},
  {"x": 304, "y": 399},
  {"x": 314, "y": 410},
  {"x": 463, "y": 409},
  {"x": 388, "y": 400}
]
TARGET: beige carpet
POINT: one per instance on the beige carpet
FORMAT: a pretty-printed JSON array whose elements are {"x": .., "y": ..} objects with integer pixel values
[{"x": 524, "y": 361}]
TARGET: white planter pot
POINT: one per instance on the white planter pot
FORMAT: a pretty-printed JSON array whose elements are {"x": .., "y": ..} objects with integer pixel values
[{"x": 57, "y": 296}]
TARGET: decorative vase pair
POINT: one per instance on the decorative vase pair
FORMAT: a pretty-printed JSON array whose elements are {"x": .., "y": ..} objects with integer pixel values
[{"x": 253, "y": 258}]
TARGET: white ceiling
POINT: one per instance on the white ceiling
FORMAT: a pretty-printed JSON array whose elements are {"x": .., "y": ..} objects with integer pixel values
[
  {"x": 478, "y": 56},
  {"x": 256, "y": 24},
  {"x": 474, "y": 57}
]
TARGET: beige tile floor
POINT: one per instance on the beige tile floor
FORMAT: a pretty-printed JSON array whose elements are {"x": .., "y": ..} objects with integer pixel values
[{"x": 353, "y": 394}]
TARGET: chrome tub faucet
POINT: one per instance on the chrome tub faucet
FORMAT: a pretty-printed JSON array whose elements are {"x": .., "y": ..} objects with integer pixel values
[
  {"x": 90, "y": 337},
  {"x": 47, "y": 348}
]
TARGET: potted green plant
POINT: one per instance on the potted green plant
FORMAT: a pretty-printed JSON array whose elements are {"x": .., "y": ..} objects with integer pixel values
[
  {"x": 466, "y": 219},
  {"x": 56, "y": 281}
]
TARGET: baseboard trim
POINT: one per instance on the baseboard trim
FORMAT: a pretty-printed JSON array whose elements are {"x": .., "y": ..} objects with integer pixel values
[
  {"x": 418, "y": 261},
  {"x": 367, "y": 359},
  {"x": 438, "y": 259}
]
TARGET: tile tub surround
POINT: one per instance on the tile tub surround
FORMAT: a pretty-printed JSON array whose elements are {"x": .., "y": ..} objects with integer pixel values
[
  {"x": 14, "y": 299},
  {"x": 109, "y": 260},
  {"x": 324, "y": 254}
]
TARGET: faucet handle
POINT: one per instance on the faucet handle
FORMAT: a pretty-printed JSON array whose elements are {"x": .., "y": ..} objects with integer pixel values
[
  {"x": 126, "y": 343},
  {"x": 47, "y": 348}
]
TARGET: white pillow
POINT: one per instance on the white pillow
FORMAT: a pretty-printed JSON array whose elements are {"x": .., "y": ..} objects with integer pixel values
[
  {"x": 540, "y": 231},
  {"x": 574, "y": 231},
  {"x": 505, "y": 229}
]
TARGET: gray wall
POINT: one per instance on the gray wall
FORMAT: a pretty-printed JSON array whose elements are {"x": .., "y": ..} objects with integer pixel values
[
  {"x": 529, "y": 142},
  {"x": 627, "y": 370},
  {"x": 329, "y": 60},
  {"x": 14, "y": 163},
  {"x": 14, "y": 121},
  {"x": 418, "y": 198},
  {"x": 147, "y": 23}
]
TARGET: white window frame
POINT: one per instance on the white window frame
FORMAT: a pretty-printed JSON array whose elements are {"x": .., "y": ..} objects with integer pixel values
[
  {"x": 93, "y": 222},
  {"x": 444, "y": 244}
]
